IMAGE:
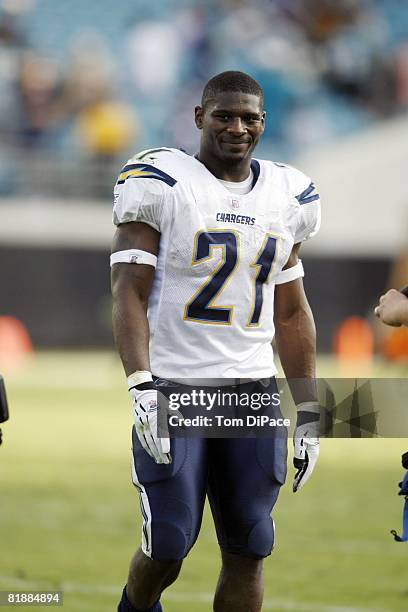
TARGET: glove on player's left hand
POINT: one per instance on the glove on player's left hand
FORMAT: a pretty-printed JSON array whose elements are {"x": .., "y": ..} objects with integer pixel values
[{"x": 306, "y": 442}]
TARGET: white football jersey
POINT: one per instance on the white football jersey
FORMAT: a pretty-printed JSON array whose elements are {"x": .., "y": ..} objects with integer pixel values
[{"x": 211, "y": 306}]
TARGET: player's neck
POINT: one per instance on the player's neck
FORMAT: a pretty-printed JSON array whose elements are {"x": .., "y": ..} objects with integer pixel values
[{"x": 233, "y": 172}]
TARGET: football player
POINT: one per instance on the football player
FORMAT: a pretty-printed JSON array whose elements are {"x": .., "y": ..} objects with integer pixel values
[{"x": 205, "y": 272}]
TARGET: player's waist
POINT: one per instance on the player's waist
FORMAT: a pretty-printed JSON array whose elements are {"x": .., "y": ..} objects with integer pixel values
[
  {"x": 183, "y": 359},
  {"x": 222, "y": 373},
  {"x": 212, "y": 382}
]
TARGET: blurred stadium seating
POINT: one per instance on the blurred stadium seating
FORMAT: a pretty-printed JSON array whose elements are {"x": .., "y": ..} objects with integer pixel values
[
  {"x": 84, "y": 85},
  {"x": 74, "y": 75}
]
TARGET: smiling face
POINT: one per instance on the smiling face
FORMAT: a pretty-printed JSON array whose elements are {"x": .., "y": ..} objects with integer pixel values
[{"x": 232, "y": 123}]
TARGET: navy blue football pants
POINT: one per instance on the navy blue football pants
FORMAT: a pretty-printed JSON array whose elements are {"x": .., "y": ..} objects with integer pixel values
[{"x": 242, "y": 478}]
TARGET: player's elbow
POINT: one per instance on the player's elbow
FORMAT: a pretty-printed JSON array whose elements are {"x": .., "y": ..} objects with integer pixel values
[
  {"x": 126, "y": 292},
  {"x": 296, "y": 319},
  {"x": 288, "y": 312}
]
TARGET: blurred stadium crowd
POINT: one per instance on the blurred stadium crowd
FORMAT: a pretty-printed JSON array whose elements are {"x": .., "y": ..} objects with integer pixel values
[{"x": 83, "y": 84}]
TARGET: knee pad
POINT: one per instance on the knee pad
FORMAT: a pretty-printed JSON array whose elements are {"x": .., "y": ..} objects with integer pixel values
[
  {"x": 169, "y": 542},
  {"x": 255, "y": 543},
  {"x": 261, "y": 539},
  {"x": 171, "y": 532}
]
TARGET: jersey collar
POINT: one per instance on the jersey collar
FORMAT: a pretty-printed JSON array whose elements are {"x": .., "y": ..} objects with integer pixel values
[{"x": 255, "y": 167}]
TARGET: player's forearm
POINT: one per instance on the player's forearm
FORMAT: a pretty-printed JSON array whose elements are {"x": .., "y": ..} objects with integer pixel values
[
  {"x": 131, "y": 331},
  {"x": 296, "y": 343}
]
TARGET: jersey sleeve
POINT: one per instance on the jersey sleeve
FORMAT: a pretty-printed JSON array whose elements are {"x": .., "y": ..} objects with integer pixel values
[
  {"x": 140, "y": 194},
  {"x": 309, "y": 210}
]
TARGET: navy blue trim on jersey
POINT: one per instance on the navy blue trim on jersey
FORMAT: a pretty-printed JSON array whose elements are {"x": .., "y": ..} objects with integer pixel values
[
  {"x": 305, "y": 197},
  {"x": 141, "y": 170},
  {"x": 150, "y": 151},
  {"x": 256, "y": 170}
]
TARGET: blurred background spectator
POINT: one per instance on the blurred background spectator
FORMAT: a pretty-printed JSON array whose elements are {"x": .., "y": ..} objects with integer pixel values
[{"x": 35, "y": 101}]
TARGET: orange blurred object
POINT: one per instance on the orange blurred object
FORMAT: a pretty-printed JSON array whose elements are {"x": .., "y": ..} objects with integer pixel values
[
  {"x": 395, "y": 346},
  {"x": 354, "y": 341},
  {"x": 15, "y": 342}
]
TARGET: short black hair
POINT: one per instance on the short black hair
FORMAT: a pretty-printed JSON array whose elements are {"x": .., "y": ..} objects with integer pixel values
[{"x": 231, "y": 80}]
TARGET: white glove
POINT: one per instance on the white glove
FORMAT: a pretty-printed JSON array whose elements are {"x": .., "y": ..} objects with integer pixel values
[
  {"x": 306, "y": 442},
  {"x": 146, "y": 409}
]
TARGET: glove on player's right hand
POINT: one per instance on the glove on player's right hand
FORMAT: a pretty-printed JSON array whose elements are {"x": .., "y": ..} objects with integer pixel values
[{"x": 146, "y": 408}]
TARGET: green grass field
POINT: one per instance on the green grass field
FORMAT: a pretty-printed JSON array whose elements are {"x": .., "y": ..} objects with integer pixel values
[{"x": 69, "y": 517}]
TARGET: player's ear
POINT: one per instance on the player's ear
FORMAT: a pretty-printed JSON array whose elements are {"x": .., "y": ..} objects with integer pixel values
[
  {"x": 263, "y": 118},
  {"x": 198, "y": 116}
]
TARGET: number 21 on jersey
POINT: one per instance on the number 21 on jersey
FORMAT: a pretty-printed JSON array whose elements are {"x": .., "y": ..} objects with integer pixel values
[{"x": 200, "y": 307}]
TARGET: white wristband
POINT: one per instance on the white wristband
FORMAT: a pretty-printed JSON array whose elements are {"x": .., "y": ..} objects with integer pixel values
[
  {"x": 135, "y": 256},
  {"x": 309, "y": 407},
  {"x": 139, "y": 377},
  {"x": 291, "y": 274}
]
